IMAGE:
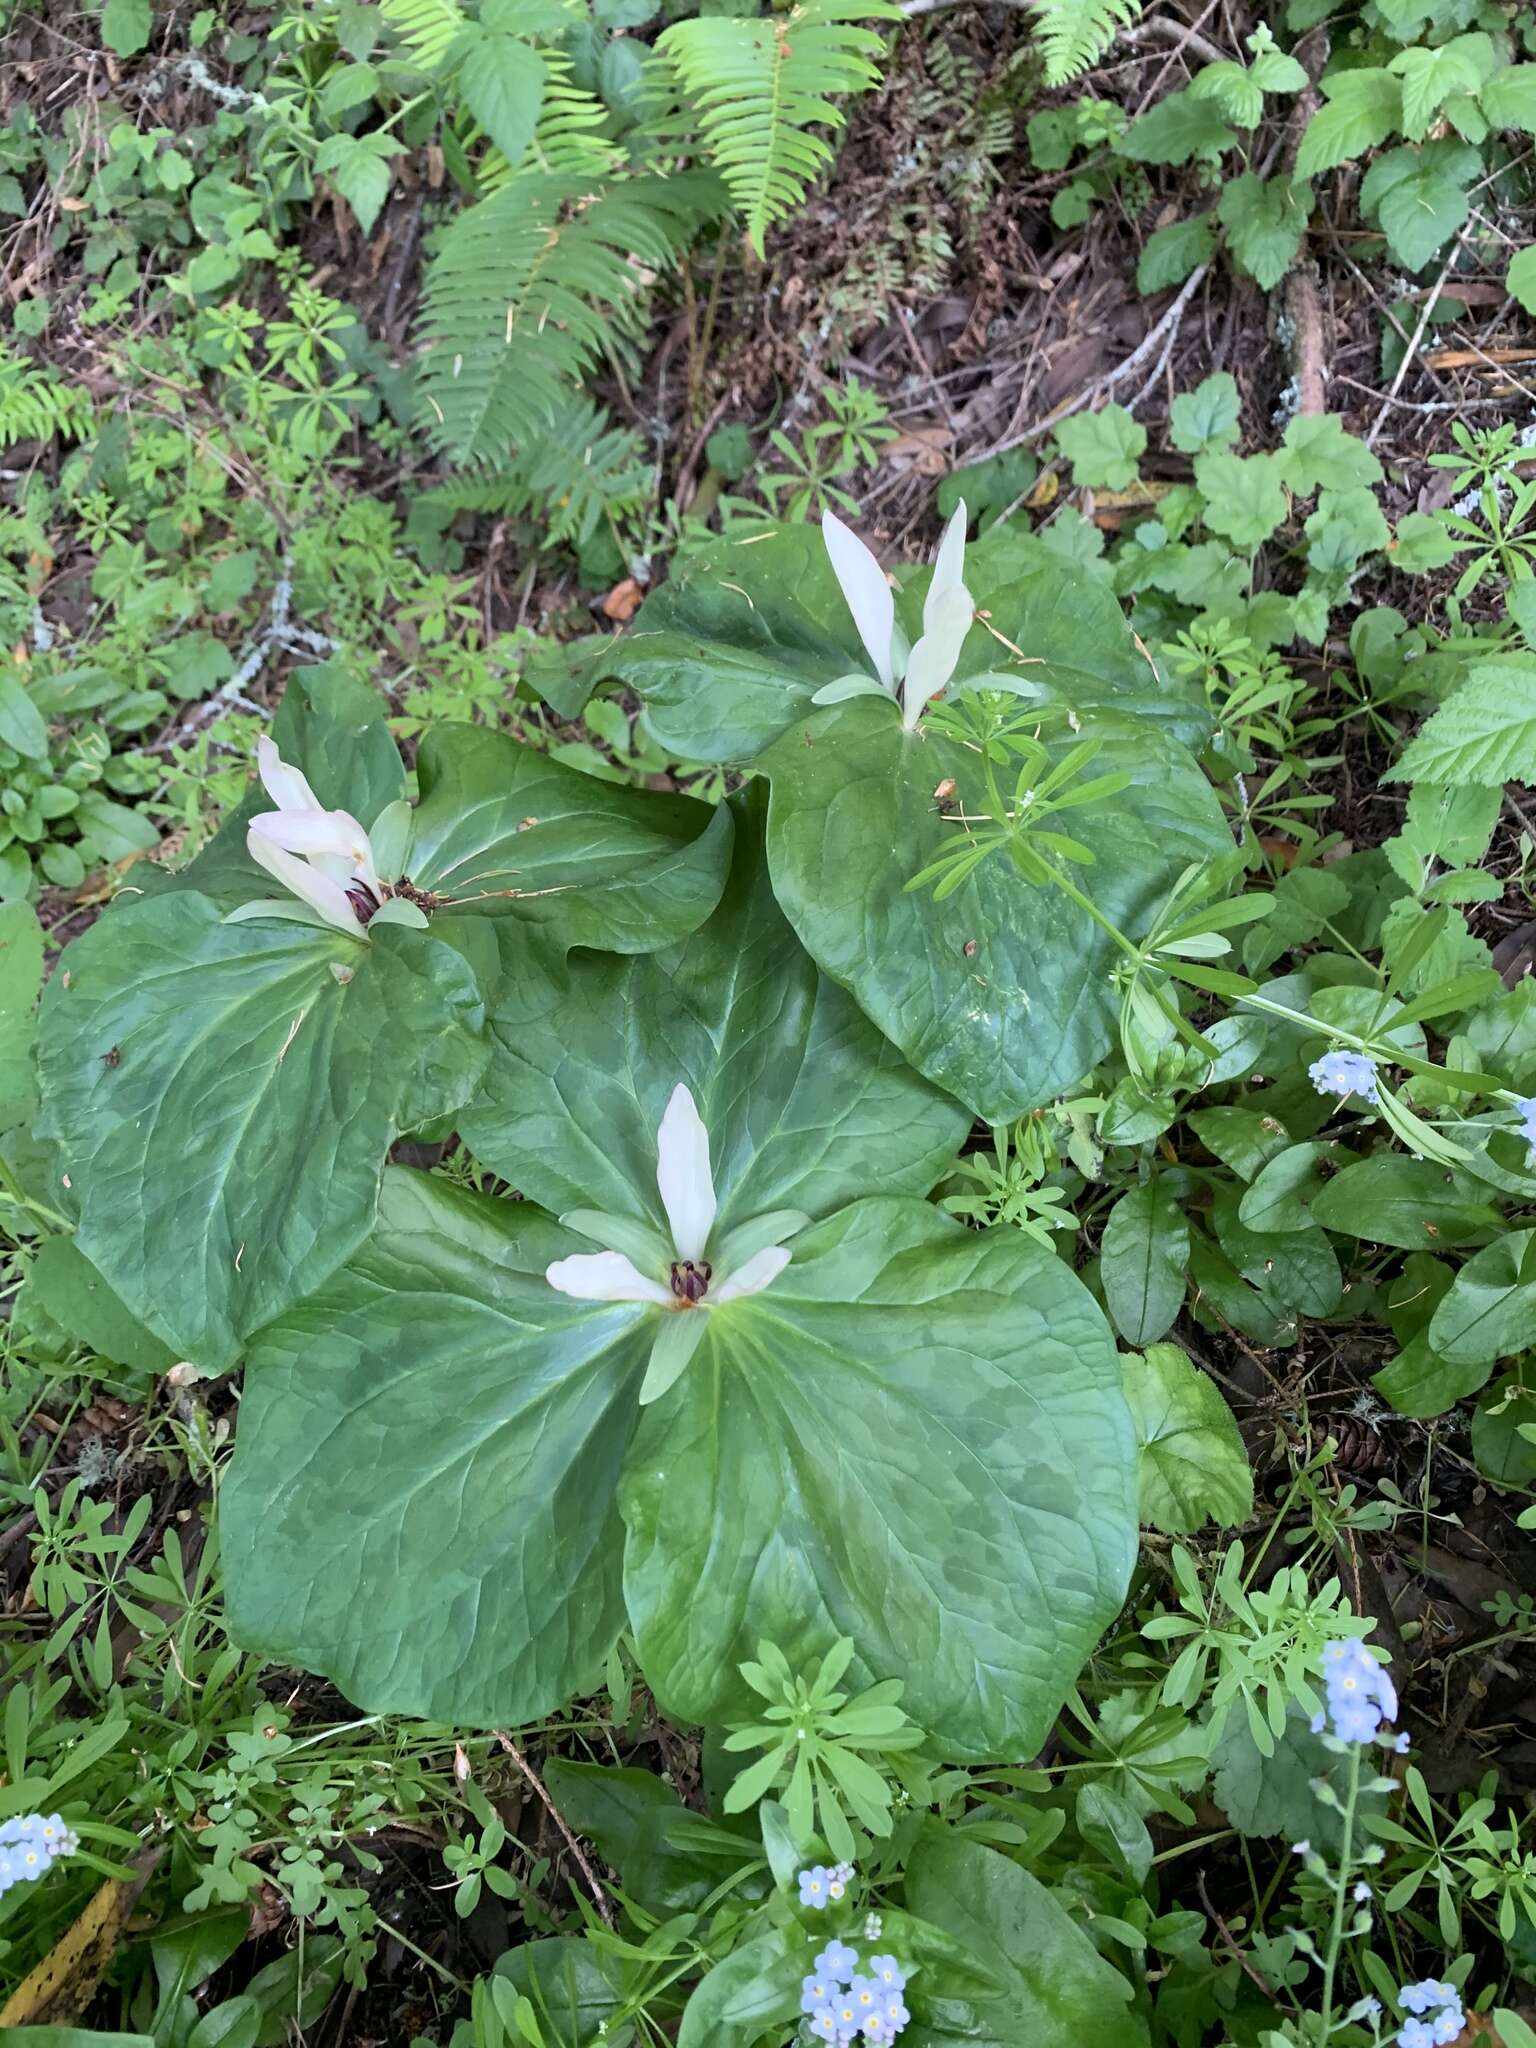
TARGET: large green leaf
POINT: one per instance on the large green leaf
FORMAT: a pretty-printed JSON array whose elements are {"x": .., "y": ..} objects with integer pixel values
[
  {"x": 223, "y": 1095},
  {"x": 505, "y": 832},
  {"x": 21, "y": 976},
  {"x": 1054, "y": 1988},
  {"x": 730, "y": 650},
  {"x": 1490, "y": 1309},
  {"x": 1193, "y": 1463},
  {"x": 915, "y": 1437},
  {"x": 1000, "y": 992},
  {"x": 807, "y": 1106},
  {"x": 421, "y": 1504},
  {"x": 572, "y": 1996}
]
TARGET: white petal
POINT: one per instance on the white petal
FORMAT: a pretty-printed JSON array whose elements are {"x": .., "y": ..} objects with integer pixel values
[
  {"x": 683, "y": 1175},
  {"x": 303, "y": 881},
  {"x": 934, "y": 657},
  {"x": 604, "y": 1276},
  {"x": 862, "y": 582},
  {"x": 754, "y": 1276},
  {"x": 333, "y": 840},
  {"x": 948, "y": 566},
  {"x": 286, "y": 786}
]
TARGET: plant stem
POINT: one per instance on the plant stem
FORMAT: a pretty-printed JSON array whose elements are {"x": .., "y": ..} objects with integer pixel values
[{"x": 1340, "y": 1895}]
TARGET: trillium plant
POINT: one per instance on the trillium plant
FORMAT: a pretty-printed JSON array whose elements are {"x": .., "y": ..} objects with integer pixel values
[{"x": 720, "y": 1371}]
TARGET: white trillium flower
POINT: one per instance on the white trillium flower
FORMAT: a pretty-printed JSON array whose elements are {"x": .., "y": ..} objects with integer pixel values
[
  {"x": 324, "y": 858},
  {"x": 680, "y": 1275},
  {"x": 912, "y": 677}
]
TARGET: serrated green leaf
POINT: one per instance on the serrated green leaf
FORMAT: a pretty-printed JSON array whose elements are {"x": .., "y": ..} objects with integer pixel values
[
  {"x": 1103, "y": 447},
  {"x": 1364, "y": 108},
  {"x": 1170, "y": 254},
  {"x": 1265, "y": 219},
  {"x": 1485, "y": 732},
  {"x": 1208, "y": 416}
]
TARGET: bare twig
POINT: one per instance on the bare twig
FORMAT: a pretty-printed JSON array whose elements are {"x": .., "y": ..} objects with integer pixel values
[
  {"x": 1425, "y": 314},
  {"x": 1101, "y": 386},
  {"x": 599, "y": 1896},
  {"x": 1161, "y": 28},
  {"x": 279, "y": 631},
  {"x": 913, "y": 8}
]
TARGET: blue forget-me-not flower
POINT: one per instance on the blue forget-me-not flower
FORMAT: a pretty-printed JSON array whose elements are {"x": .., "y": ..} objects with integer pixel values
[
  {"x": 30, "y": 1845},
  {"x": 1360, "y": 1694},
  {"x": 1345, "y": 1074}
]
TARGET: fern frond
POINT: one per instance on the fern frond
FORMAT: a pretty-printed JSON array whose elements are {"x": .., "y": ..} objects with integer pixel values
[
  {"x": 425, "y": 27},
  {"x": 574, "y": 473},
  {"x": 36, "y": 406},
  {"x": 1072, "y": 34},
  {"x": 573, "y": 138},
  {"x": 526, "y": 287},
  {"x": 760, "y": 89}
]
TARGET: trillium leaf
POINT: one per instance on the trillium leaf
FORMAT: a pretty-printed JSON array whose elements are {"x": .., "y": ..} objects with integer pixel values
[
  {"x": 736, "y": 646},
  {"x": 222, "y": 1098},
  {"x": 505, "y": 832},
  {"x": 999, "y": 991},
  {"x": 224, "y": 1092},
  {"x": 806, "y": 1105},
  {"x": 915, "y": 1438},
  {"x": 421, "y": 1505}
]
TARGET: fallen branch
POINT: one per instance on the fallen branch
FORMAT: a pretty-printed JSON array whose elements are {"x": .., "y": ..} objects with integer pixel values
[
  {"x": 279, "y": 631},
  {"x": 1167, "y": 324},
  {"x": 599, "y": 1896}
]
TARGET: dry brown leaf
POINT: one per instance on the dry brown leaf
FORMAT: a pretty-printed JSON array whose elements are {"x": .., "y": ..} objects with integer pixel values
[{"x": 65, "y": 1981}]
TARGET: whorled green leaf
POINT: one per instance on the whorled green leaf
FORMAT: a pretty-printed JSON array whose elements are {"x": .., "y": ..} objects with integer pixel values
[
  {"x": 224, "y": 1094},
  {"x": 505, "y": 832},
  {"x": 729, "y": 652},
  {"x": 421, "y": 1504},
  {"x": 915, "y": 1437},
  {"x": 807, "y": 1106},
  {"x": 222, "y": 1097},
  {"x": 1000, "y": 992}
]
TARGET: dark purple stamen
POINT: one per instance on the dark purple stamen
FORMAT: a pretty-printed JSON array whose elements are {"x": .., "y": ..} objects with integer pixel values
[
  {"x": 690, "y": 1282},
  {"x": 362, "y": 900}
]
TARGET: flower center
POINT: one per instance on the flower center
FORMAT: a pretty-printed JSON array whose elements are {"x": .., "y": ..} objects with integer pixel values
[
  {"x": 690, "y": 1282},
  {"x": 362, "y": 900}
]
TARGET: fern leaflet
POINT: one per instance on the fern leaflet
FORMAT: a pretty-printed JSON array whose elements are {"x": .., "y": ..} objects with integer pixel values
[
  {"x": 426, "y": 27},
  {"x": 36, "y": 406},
  {"x": 1073, "y": 33},
  {"x": 761, "y": 88},
  {"x": 574, "y": 473},
  {"x": 573, "y": 138},
  {"x": 527, "y": 286}
]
